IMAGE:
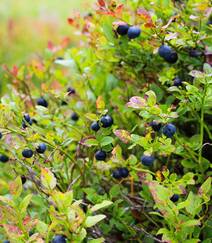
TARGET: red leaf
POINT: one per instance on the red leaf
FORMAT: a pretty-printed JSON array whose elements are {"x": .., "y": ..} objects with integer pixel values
[
  {"x": 71, "y": 21},
  {"x": 123, "y": 135},
  {"x": 101, "y": 3}
]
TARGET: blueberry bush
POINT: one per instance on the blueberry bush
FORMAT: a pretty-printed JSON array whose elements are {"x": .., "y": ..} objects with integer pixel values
[{"x": 109, "y": 140}]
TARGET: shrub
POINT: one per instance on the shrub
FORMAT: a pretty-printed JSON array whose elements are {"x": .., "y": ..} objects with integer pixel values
[{"x": 108, "y": 129}]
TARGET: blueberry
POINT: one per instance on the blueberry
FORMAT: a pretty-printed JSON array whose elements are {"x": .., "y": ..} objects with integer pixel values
[
  {"x": 74, "y": 116},
  {"x": 147, "y": 160},
  {"x": 4, "y": 158},
  {"x": 0, "y": 135},
  {"x": 195, "y": 53},
  {"x": 177, "y": 81},
  {"x": 106, "y": 121},
  {"x": 27, "y": 153},
  {"x": 209, "y": 22},
  {"x": 124, "y": 172},
  {"x": 95, "y": 126},
  {"x": 27, "y": 117},
  {"x": 174, "y": 198},
  {"x": 23, "y": 179},
  {"x": 70, "y": 91},
  {"x": 168, "y": 54},
  {"x": 59, "y": 239},
  {"x": 41, "y": 148},
  {"x": 117, "y": 174},
  {"x": 6, "y": 241},
  {"x": 24, "y": 125},
  {"x": 100, "y": 155},
  {"x": 122, "y": 29},
  {"x": 42, "y": 102},
  {"x": 169, "y": 130},
  {"x": 133, "y": 32},
  {"x": 156, "y": 126}
]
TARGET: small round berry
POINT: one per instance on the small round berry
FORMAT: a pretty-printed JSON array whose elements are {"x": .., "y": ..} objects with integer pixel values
[
  {"x": 42, "y": 102},
  {"x": 4, "y": 158},
  {"x": 70, "y": 91},
  {"x": 100, "y": 155},
  {"x": 1, "y": 135},
  {"x": 133, "y": 32},
  {"x": 116, "y": 174},
  {"x": 6, "y": 241},
  {"x": 74, "y": 116},
  {"x": 174, "y": 198},
  {"x": 177, "y": 82},
  {"x": 124, "y": 172},
  {"x": 23, "y": 179},
  {"x": 169, "y": 130},
  {"x": 24, "y": 125},
  {"x": 41, "y": 148},
  {"x": 27, "y": 117},
  {"x": 147, "y": 160},
  {"x": 27, "y": 153},
  {"x": 168, "y": 54},
  {"x": 59, "y": 239},
  {"x": 164, "y": 50},
  {"x": 122, "y": 29},
  {"x": 195, "y": 53},
  {"x": 156, "y": 126},
  {"x": 95, "y": 126},
  {"x": 209, "y": 22},
  {"x": 106, "y": 121}
]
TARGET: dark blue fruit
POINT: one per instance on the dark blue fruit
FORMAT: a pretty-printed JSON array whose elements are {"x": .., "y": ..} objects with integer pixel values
[
  {"x": 41, "y": 148},
  {"x": 23, "y": 179},
  {"x": 42, "y": 102},
  {"x": 177, "y": 81},
  {"x": 124, "y": 172},
  {"x": 74, "y": 116},
  {"x": 6, "y": 241},
  {"x": 117, "y": 174},
  {"x": 71, "y": 91},
  {"x": 147, "y": 160},
  {"x": 95, "y": 126},
  {"x": 195, "y": 53},
  {"x": 0, "y": 135},
  {"x": 169, "y": 130},
  {"x": 209, "y": 22},
  {"x": 27, "y": 117},
  {"x": 106, "y": 121},
  {"x": 4, "y": 158},
  {"x": 122, "y": 29},
  {"x": 59, "y": 239},
  {"x": 156, "y": 126},
  {"x": 100, "y": 155},
  {"x": 174, "y": 198},
  {"x": 168, "y": 54},
  {"x": 133, "y": 32},
  {"x": 27, "y": 153}
]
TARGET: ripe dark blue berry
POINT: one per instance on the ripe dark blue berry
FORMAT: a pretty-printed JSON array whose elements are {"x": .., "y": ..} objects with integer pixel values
[
  {"x": 100, "y": 155},
  {"x": 147, "y": 160},
  {"x": 209, "y": 22},
  {"x": 106, "y": 121},
  {"x": 122, "y": 29},
  {"x": 168, "y": 54},
  {"x": 71, "y": 91},
  {"x": 4, "y": 158},
  {"x": 124, "y": 172},
  {"x": 177, "y": 81},
  {"x": 156, "y": 126},
  {"x": 42, "y": 102},
  {"x": 41, "y": 148},
  {"x": 133, "y": 32},
  {"x": 74, "y": 116},
  {"x": 27, "y": 153},
  {"x": 59, "y": 239},
  {"x": 117, "y": 174},
  {"x": 23, "y": 179},
  {"x": 0, "y": 135},
  {"x": 27, "y": 117},
  {"x": 6, "y": 241},
  {"x": 95, "y": 126},
  {"x": 174, "y": 198},
  {"x": 169, "y": 130},
  {"x": 195, "y": 53}
]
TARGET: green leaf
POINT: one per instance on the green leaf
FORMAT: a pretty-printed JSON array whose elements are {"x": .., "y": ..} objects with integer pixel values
[
  {"x": 15, "y": 187},
  {"x": 92, "y": 220},
  {"x": 106, "y": 140},
  {"x": 151, "y": 100},
  {"x": 190, "y": 223},
  {"x": 206, "y": 187},
  {"x": 48, "y": 179},
  {"x": 99, "y": 240},
  {"x": 24, "y": 204},
  {"x": 42, "y": 227},
  {"x": 101, "y": 205}
]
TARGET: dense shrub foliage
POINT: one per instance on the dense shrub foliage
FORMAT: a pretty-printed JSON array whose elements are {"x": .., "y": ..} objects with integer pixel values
[{"x": 110, "y": 140}]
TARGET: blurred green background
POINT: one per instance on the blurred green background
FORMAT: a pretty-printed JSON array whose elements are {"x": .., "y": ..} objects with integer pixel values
[{"x": 26, "y": 26}]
